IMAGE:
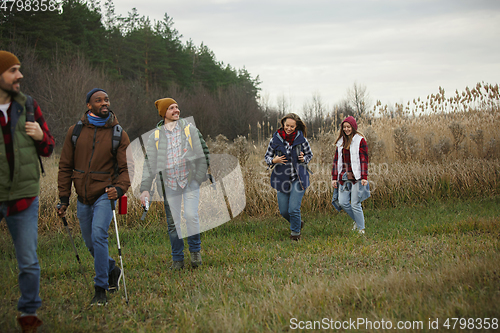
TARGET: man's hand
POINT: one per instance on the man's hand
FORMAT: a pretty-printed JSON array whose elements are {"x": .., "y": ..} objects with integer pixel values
[
  {"x": 61, "y": 210},
  {"x": 34, "y": 130},
  {"x": 112, "y": 193},
  {"x": 144, "y": 195}
]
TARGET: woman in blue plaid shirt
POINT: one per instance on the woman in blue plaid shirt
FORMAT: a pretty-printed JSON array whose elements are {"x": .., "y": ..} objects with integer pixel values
[{"x": 288, "y": 154}]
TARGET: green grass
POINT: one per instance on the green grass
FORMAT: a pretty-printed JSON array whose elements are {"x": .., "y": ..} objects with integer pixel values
[{"x": 414, "y": 263}]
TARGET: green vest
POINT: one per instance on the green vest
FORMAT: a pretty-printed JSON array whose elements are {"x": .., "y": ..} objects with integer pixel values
[{"x": 26, "y": 180}]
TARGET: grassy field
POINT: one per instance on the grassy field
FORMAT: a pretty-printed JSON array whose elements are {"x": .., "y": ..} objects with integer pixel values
[
  {"x": 431, "y": 250},
  {"x": 415, "y": 264}
]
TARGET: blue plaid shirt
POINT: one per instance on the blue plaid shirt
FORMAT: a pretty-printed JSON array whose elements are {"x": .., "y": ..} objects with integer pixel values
[{"x": 305, "y": 148}]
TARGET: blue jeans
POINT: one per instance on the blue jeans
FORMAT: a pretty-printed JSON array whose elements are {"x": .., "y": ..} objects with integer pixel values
[
  {"x": 23, "y": 228},
  {"x": 94, "y": 223},
  {"x": 349, "y": 201},
  {"x": 191, "y": 195},
  {"x": 289, "y": 206}
]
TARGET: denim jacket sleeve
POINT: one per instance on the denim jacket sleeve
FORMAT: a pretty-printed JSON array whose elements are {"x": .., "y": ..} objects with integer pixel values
[{"x": 364, "y": 192}]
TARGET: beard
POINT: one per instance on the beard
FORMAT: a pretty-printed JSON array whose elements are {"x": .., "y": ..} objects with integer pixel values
[
  {"x": 11, "y": 93},
  {"x": 9, "y": 90},
  {"x": 101, "y": 114}
]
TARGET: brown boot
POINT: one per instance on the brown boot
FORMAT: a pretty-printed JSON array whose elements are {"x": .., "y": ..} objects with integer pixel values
[{"x": 29, "y": 323}]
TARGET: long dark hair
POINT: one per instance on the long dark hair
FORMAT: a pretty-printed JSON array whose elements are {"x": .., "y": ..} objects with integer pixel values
[{"x": 301, "y": 126}]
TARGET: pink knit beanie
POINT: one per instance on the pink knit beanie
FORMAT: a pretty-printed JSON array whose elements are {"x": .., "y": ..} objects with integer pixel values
[{"x": 351, "y": 121}]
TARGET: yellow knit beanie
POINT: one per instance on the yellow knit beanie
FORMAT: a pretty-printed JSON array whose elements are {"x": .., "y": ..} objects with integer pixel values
[{"x": 163, "y": 104}]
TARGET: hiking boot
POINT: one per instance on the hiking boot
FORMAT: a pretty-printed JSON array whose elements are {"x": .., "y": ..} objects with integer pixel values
[
  {"x": 295, "y": 238},
  {"x": 29, "y": 322},
  {"x": 114, "y": 279},
  {"x": 302, "y": 223},
  {"x": 195, "y": 259},
  {"x": 99, "y": 297},
  {"x": 177, "y": 265}
]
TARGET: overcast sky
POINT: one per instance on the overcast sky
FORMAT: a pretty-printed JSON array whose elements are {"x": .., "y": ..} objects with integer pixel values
[{"x": 398, "y": 49}]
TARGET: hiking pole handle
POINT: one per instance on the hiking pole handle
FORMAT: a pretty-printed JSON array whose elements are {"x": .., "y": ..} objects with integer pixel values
[
  {"x": 145, "y": 207},
  {"x": 112, "y": 202},
  {"x": 65, "y": 222}
]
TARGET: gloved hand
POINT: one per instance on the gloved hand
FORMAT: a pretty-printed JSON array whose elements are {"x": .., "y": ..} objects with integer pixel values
[{"x": 61, "y": 209}]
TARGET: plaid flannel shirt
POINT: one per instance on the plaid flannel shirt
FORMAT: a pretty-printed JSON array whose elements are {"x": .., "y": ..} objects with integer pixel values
[{"x": 176, "y": 169}]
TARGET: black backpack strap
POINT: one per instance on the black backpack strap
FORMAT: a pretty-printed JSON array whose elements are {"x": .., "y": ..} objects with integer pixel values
[
  {"x": 30, "y": 117},
  {"x": 117, "y": 137},
  {"x": 76, "y": 132},
  {"x": 298, "y": 149},
  {"x": 30, "y": 109}
]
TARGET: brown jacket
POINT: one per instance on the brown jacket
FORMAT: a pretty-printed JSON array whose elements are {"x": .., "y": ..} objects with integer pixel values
[{"x": 90, "y": 164}]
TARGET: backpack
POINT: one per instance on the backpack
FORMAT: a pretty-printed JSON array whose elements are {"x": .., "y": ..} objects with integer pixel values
[
  {"x": 189, "y": 140},
  {"x": 30, "y": 116},
  {"x": 187, "y": 132},
  {"x": 116, "y": 138}
]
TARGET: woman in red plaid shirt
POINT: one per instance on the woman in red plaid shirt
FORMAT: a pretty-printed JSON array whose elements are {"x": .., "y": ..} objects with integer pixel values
[{"x": 350, "y": 171}]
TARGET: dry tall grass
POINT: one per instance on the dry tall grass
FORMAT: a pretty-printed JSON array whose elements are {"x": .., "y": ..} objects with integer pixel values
[{"x": 413, "y": 159}]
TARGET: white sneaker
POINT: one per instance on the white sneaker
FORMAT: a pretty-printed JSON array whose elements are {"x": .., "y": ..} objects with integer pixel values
[
  {"x": 361, "y": 232},
  {"x": 355, "y": 227}
]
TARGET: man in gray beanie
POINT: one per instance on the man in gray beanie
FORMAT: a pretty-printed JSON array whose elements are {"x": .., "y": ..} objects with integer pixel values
[{"x": 24, "y": 136}]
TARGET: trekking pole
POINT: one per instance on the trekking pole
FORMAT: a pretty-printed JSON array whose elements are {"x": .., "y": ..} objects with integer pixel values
[
  {"x": 65, "y": 222},
  {"x": 119, "y": 249},
  {"x": 163, "y": 187}
]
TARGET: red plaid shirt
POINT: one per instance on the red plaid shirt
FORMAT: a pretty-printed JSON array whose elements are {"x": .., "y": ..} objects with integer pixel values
[
  {"x": 346, "y": 163},
  {"x": 176, "y": 169},
  {"x": 43, "y": 147}
]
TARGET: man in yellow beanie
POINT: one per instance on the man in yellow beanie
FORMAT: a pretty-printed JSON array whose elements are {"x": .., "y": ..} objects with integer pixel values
[
  {"x": 177, "y": 153},
  {"x": 24, "y": 136}
]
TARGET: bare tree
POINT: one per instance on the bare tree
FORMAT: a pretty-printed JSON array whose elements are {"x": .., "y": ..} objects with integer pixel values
[
  {"x": 359, "y": 99},
  {"x": 270, "y": 114},
  {"x": 318, "y": 107},
  {"x": 314, "y": 113},
  {"x": 284, "y": 105}
]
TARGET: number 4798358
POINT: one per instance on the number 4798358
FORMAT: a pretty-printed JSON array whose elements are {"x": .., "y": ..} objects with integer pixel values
[
  {"x": 471, "y": 323},
  {"x": 28, "y": 5}
]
